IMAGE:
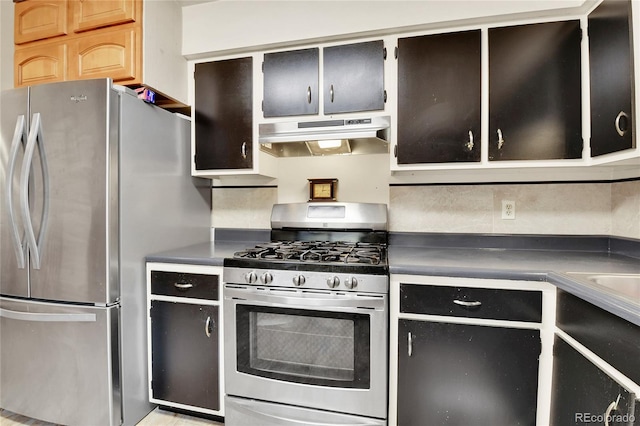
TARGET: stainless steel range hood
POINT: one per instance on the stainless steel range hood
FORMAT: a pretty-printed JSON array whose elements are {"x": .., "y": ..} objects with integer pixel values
[{"x": 369, "y": 135}]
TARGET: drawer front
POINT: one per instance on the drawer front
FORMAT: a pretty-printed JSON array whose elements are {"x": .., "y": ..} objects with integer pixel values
[
  {"x": 488, "y": 303},
  {"x": 181, "y": 284},
  {"x": 612, "y": 338}
]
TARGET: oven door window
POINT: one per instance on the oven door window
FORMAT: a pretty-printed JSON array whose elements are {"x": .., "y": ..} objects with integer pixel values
[{"x": 303, "y": 346}]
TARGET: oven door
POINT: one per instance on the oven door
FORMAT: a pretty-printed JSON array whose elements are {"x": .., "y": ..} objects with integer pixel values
[{"x": 317, "y": 349}]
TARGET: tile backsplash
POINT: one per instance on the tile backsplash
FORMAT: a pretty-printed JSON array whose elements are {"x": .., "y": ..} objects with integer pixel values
[{"x": 556, "y": 208}]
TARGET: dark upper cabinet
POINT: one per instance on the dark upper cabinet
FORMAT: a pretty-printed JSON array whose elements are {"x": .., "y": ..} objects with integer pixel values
[
  {"x": 456, "y": 374},
  {"x": 581, "y": 389},
  {"x": 439, "y": 97},
  {"x": 291, "y": 83},
  {"x": 535, "y": 92},
  {"x": 610, "y": 69},
  {"x": 353, "y": 80},
  {"x": 353, "y": 77},
  {"x": 224, "y": 114}
]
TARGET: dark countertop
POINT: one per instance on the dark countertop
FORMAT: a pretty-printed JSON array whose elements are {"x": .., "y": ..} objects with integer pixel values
[{"x": 419, "y": 257}]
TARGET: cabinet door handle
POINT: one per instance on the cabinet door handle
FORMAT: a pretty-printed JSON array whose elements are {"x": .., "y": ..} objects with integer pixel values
[
  {"x": 207, "y": 327},
  {"x": 467, "y": 303},
  {"x": 308, "y": 94},
  {"x": 610, "y": 408},
  {"x": 500, "y": 139},
  {"x": 409, "y": 344},
  {"x": 183, "y": 286},
  {"x": 243, "y": 150},
  {"x": 622, "y": 115},
  {"x": 331, "y": 93},
  {"x": 469, "y": 145}
]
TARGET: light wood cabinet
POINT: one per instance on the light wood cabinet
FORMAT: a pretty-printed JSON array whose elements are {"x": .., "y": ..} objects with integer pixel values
[
  {"x": 44, "y": 63},
  {"x": 38, "y": 19},
  {"x": 112, "y": 52},
  {"x": 92, "y": 14}
]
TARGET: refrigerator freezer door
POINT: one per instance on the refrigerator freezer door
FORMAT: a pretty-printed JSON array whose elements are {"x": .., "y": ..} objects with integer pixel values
[
  {"x": 14, "y": 118},
  {"x": 60, "y": 362},
  {"x": 71, "y": 262}
]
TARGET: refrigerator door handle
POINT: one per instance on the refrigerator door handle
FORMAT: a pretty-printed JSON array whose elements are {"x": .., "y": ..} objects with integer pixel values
[
  {"x": 19, "y": 136},
  {"x": 35, "y": 139},
  {"x": 46, "y": 317}
]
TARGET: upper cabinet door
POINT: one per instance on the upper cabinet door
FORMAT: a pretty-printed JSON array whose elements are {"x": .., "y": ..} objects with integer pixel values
[
  {"x": 35, "y": 20},
  {"x": 535, "y": 92},
  {"x": 91, "y": 14},
  {"x": 291, "y": 83},
  {"x": 439, "y": 98},
  {"x": 353, "y": 78},
  {"x": 224, "y": 114},
  {"x": 610, "y": 70}
]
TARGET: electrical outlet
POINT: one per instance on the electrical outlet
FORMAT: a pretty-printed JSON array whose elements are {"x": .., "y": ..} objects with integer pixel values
[{"x": 508, "y": 209}]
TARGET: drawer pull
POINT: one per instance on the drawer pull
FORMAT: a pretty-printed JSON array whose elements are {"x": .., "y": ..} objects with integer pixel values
[
  {"x": 467, "y": 304},
  {"x": 183, "y": 286},
  {"x": 409, "y": 344}
]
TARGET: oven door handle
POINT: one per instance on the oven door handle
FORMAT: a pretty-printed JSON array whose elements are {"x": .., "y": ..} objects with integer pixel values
[{"x": 307, "y": 299}]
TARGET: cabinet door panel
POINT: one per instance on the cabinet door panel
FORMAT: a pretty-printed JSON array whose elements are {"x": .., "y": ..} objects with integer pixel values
[
  {"x": 439, "y": 98},
  {"x": 185, "y": 353},
  {"x": 610, "y": 72},
  {"x": 291, "y": 83},
  {"x": 466, "y": 374},
  {"x": 223, "y": 114},
  {"x": 581, "y": 389},
  {"x": 354, "y": 77},
  {"x": 40, "y": 64},
  {"x": 113, "y": 53},
  {"x": 91, "y": 14},
  {"x": 35, "y": 20},
  {"x": 535, "y": 92}
]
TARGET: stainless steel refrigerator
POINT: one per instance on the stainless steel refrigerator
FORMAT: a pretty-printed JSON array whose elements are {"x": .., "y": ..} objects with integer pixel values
[{"x": 93, "y": 180}]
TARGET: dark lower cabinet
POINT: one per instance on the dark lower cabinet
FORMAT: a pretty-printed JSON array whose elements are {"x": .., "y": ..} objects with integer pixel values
[
  {"x": 611, "y": 71},
  {"x": 456, "y": 374},
  {"x": 185, "y": 353},
  {"x": 535, "y": 92},
  {"x": 224, "y": 114},
  {"x": 583, "y": 394},
  {"x": 439, "y": 98}
]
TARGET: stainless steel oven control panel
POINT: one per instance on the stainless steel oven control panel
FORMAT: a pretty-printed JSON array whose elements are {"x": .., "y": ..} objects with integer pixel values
[{"x": 336, "y": 281}]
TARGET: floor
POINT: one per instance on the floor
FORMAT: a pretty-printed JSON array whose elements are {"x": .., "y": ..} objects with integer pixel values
[{"x": 157, "y": 417}]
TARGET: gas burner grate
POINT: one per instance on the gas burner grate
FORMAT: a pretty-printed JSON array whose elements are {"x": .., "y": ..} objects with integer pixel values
[{"x": 318, "y": 252}]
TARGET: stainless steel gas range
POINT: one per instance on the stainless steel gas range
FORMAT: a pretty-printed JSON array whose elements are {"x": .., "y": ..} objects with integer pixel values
[{"x": 306, "y": 319}]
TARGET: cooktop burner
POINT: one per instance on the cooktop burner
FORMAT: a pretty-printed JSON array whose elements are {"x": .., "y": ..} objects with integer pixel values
[{"x": 317, "y": 252}]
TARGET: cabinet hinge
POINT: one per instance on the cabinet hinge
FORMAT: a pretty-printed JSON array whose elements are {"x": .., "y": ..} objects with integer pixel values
[{"x": 396, "y": 52}]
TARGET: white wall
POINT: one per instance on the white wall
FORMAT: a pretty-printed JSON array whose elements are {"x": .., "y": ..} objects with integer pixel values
[
  {"x": 237, "y": 25},
  {"x": 6, "y": 44}
]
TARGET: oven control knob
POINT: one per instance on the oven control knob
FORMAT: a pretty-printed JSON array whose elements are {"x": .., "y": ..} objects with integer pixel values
[
  {"x": 333, "y": 282},
  {"x": 351, "y": 282},
  {"x": 299, "y": 280},
  {"x": 266, "y": 278},
  {"x": 251, "y": 277}
]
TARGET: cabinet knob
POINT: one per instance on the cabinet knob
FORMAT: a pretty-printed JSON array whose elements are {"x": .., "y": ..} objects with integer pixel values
[{"x": 622, "y": 123}]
